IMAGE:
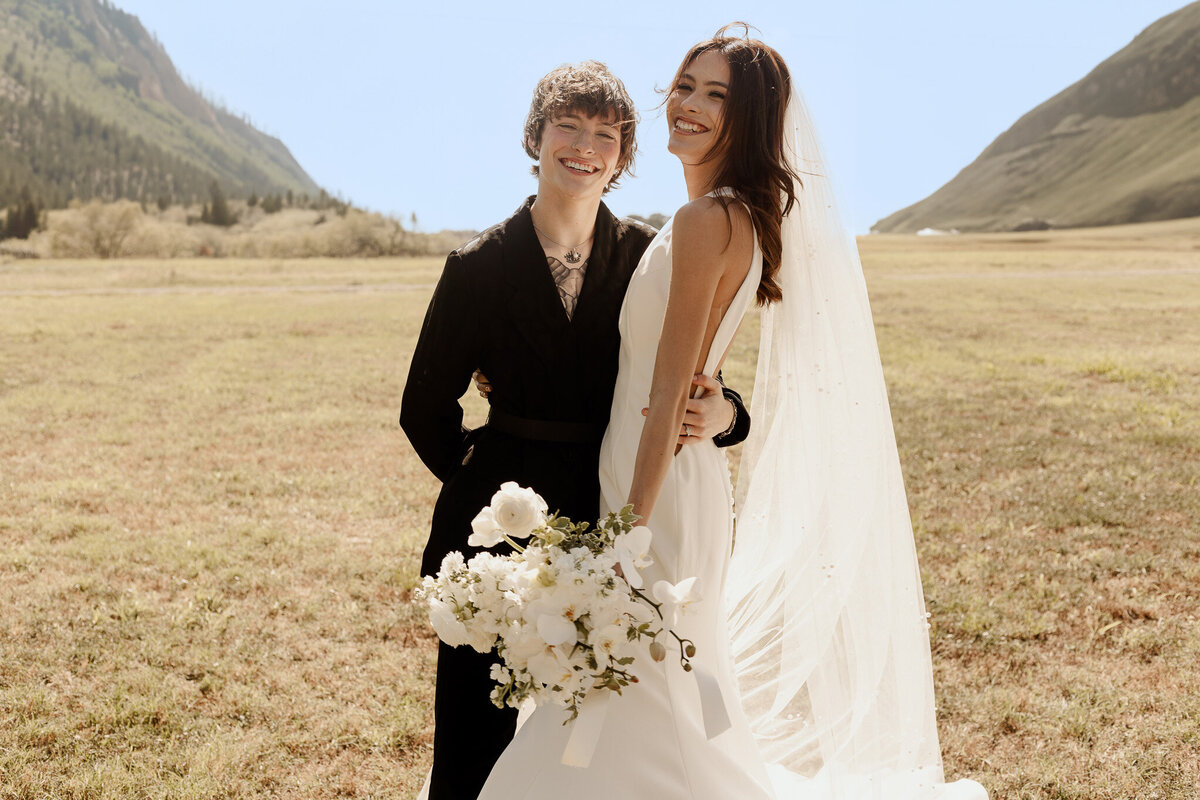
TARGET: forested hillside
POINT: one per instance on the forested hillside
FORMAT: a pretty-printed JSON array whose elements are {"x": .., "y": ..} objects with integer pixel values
[
  {"x": 92, "y": 107},
  {"x": 60, "y": 151}
]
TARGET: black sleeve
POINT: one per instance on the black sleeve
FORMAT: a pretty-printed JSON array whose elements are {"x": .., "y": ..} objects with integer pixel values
[
  {"x": 741, "y": 422},
  {"x": 446, "y": 354}
]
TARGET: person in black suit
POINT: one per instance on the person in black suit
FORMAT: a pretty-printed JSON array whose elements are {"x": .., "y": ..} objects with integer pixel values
[{"x": 532, "y": 303}]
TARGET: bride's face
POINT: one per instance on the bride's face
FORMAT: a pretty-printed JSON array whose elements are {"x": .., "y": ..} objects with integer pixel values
[{"x": 695, "y": 107}]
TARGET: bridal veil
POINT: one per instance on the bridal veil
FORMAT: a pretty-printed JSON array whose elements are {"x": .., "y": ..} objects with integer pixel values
[{"x": 827, "y": 617}]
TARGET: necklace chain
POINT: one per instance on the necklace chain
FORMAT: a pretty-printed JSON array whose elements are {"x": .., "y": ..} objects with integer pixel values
[{"x": 573, "y": 256}]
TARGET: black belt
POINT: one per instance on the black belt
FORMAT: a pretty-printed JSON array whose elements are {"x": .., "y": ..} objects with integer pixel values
[{"x": 543, "y": 430}]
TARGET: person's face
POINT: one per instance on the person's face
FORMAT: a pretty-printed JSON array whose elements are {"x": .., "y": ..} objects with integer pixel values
[
  {"x": 579, "y": 153},
  {"x": 695, "y": 107}
]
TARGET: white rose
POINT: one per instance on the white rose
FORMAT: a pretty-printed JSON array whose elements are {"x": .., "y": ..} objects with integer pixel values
[
  {"x": 486, "y": 532},
  {"x": 517, "y": 510}
]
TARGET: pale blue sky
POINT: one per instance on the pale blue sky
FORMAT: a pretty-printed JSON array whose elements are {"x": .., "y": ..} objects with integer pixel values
[{"x": 402, "y": 107}]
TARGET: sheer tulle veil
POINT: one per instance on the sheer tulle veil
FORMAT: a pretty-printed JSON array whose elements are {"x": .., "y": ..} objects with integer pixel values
[{"x": 827, "y": 617}]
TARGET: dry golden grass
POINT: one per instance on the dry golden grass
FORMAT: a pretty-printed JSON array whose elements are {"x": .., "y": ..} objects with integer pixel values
[
  {"x": 209, "y": 520},
  {"x": 184, "y": 275},
  {"x": 1051, "y": 444}
]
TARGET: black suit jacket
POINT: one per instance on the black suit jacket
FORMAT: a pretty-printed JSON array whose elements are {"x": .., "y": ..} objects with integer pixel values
[{"x": 496, "y": 308}]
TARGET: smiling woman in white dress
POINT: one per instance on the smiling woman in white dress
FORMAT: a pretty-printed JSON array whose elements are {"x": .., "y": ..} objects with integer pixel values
[{"x": 812, "y": 676}]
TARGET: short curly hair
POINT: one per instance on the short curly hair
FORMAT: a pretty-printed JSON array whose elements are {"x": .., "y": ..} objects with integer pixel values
[{"x": 587, "y": 87}]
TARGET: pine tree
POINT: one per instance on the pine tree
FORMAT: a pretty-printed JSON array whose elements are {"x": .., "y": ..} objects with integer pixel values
[
  {"x": 31, "y": 220},
  {"x": 218, "y": 212},
  {"x": 22, "y": 219}
]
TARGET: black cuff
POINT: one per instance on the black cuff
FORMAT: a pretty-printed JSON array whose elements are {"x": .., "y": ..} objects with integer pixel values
[{"x": 741, "y": 420}]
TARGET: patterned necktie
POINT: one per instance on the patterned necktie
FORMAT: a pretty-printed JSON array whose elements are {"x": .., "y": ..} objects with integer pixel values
[{"x": 569, "y": 279}]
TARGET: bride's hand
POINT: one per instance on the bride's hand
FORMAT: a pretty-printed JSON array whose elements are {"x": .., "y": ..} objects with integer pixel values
[
  {"x": 707, "y": 415},
  {"x": 482, "y": 384}
]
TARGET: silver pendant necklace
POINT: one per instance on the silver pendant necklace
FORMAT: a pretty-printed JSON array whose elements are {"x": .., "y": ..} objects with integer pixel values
[{"x": 573, "y": 256}]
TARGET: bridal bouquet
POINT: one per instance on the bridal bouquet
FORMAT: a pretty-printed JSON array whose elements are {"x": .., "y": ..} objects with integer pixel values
[{"x": 565, "y": 612}]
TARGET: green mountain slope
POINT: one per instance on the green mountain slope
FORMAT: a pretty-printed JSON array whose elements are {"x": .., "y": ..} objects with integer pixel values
[
  {"x": 91, "y": 105},
  {"x": 1122, "y": 145}
]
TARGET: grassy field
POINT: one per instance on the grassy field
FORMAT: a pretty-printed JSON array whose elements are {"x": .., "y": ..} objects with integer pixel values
[{"x": 210, "y": 521}]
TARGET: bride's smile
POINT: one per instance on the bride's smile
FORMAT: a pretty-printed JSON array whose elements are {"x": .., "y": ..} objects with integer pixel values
[{"x": 685, "y": 126}]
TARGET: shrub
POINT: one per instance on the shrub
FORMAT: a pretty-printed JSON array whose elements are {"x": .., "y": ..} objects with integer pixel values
[
  {"x": 123, "y": 229},
  {"x": 95, "y": 230}
]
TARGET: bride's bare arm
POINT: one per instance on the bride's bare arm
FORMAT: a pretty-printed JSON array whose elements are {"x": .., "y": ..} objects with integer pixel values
[{"x": 703, "y": 252}]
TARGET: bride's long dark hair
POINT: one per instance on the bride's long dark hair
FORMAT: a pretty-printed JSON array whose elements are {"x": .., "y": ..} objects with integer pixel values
[{"x": 750, "y": 142}]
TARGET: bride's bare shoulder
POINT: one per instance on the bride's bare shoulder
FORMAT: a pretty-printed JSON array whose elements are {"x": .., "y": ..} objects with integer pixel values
[
  {"x": 713, "y": 229},
  {"x": 708, "y": 211}
]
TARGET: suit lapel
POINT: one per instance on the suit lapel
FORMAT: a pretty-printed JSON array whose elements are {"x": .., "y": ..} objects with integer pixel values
[
  {"x": 603, "y": 285},
  {"x": 533, "y": 306}
]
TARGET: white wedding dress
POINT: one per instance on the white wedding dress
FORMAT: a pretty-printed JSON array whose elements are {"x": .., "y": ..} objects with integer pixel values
[{"x": 653, "y": 742}]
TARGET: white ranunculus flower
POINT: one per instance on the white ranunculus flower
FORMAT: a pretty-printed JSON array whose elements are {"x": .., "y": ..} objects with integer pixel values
[
  {"x": 486, "y": 533},
  {"x": 517, "y": 510}
]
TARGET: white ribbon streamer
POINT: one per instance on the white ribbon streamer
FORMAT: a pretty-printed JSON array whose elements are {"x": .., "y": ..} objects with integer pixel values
[
  {"x": 586, "y": 729},
  {"x": 589, "y": 725},
  {"x": 712, "y": 702}
]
